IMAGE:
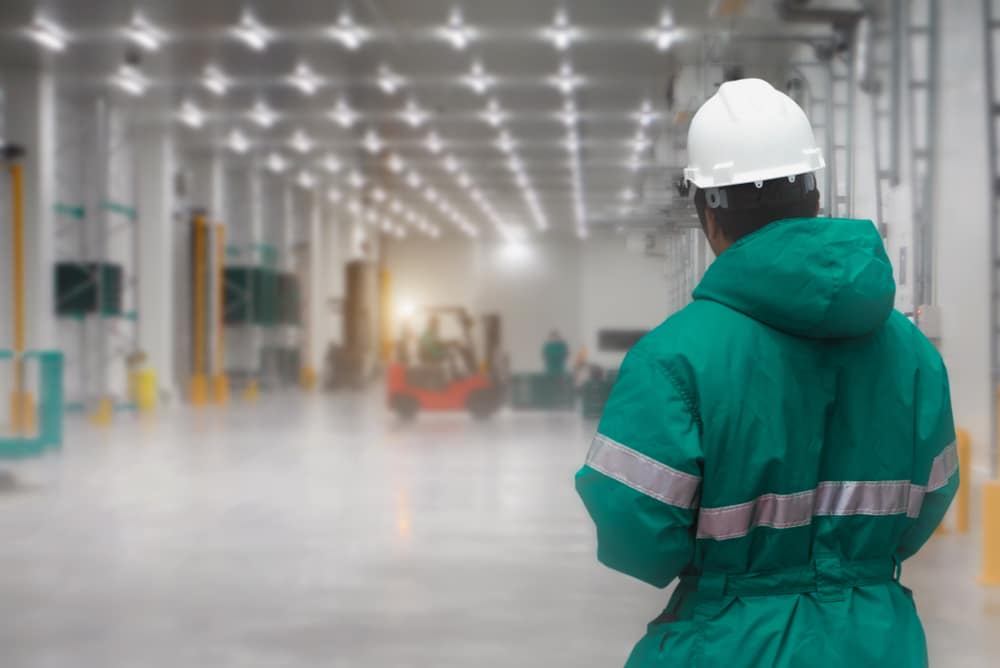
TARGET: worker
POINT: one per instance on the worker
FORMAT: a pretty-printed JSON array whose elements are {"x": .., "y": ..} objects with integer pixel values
[
  {"x": 555, "y": 352},
  {"x": 785, "y": 442}
]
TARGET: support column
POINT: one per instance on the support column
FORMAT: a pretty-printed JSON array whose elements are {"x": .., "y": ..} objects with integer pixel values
[
  {"x": 157, "y": 279},
  {"x": 313, "y": 327},
  {"x": 28, "y": 111}
]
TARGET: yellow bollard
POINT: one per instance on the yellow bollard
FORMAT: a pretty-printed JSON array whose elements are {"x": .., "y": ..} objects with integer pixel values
[
  {"x": 991, "y": 533},
  {"x": 22, "y": 413},
  {"x": 104, "y": 412},
  {"x": 307, "y": 378},
  {"x": 220, "y": 389},
  {"x": 198, "y": 390},
  {"x": 963, "y": 500},
  {"x": 252, "y": 392}
]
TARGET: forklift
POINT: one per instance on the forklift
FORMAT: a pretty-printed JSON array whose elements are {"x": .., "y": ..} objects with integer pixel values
[{"x": 454, "y": 379}]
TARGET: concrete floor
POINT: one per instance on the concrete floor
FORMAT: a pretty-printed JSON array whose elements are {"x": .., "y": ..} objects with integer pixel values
[{"x": 317, "y": 532}]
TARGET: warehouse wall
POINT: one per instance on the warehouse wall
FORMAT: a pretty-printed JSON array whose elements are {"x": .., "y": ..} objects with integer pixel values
[{"x": 577, "y": 288}]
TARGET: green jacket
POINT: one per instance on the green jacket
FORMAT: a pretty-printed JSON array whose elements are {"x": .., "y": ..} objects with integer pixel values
[{"x": 781, "y": 445}]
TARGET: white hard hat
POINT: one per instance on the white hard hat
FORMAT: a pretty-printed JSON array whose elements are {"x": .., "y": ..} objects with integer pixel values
[{"x": 749, "y": 132}]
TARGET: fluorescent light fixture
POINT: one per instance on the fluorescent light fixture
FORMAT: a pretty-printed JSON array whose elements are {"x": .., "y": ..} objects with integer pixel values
[
  {"x": 354, "y": 206},
  {"x": 635, "y": 164},
  {"x": 47, "y": 33},
  {"x": 388, "y": 81},
  {"x": 464, "y": 181},
  {"x": 303, "y": 78},
  {"x": 372, "y": 142},
  {"x": 252, "y": 32},
  {"x": 431, "y": 195},
  {"x": 263, "y": 115},
  {"x": 191, "y": 115},
  {"x": 395, "y": 163},
  {"x": 628, "y": 195},
  {"x": 413, "y": 180},
  {"x": 276, "y": 163},
  {"x": 572, "y": 142},
  {"x": 433, "y": 143},
  {"x": 334, "y": 195},
  {"x": 646, "y": 115},
  {"x": 566, "y": 80},
  {"x": 378, "y": 195},
  {"x": 306, "y": 179},
  {"x": 478, "y": 80},
  {"x": 332, "y": 164},
  {"x": 396, "y": 207},
  {"x": 371, "y": 215},
  {"x": 414, "y": 114},
  {"x": 215, "y": 81},
  {"x": 343, "y": 114},
  {"x": 456, "y": 32},
  {"x": 356, "y": 180},
  {"x": 144, "y": 34},
  {"x": 450, "y": 164},
  {"x": 301, "y": 142},
  {"x": 666, "y": 34},
  {"x": 130, "y": 80},
  {"x": 238, "y": 142},
  {"x": 348, "y": 33},
  {"x": 505, "y": 143},
  {"x": 494, "y": 114},
  {"x": 640, "y": 143},
  {"x": 561, "y": 33}
]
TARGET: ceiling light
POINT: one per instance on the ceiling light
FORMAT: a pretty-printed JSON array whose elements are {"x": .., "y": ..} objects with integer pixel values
[
  {"x": 354, "y": 206},
  {"x": 640, "y": 143},
  {"x": 414, "y": 114},
  {"x": 635, "y": 164},
  {"x": 276, "y": 163},
  {"x": 431, "y": 195},
  {"x": 566, "y": 80},
  {"x": 666, "y": 34},
  {"x": 413, "y": 180},
  {"x": 334, "y": 195},
  {"x": 130, "y": 80},
  {"x": 301, "y": 142},
  {"x": 628, "y": 195},
  {"x": 48, "y": 34},
  {"x": 343, "y": 114},
  {"x": 450, "y": 164},
  {"x": 251, "y": 32},
  {"x": 388, "y": 80},
  {"x": 191, "y": 115},
  {"x": 646, "y": 115},
  {"x": 477, "y": 79},
  {"x": 378, "y": 195},
  {"x": 332, "y": 164},
  {"x": 214, "y": 80},
  {"x": 456, "y": 32},
  {"x": 561, "y": 33},
  {"x": 305, "y": 79},
  {"x": 569, "y": 115},
  {"x": 356, "y": 180},
  {"x": 396, "y": 207},
  {"x": 371, "y": 215},
  {"x": 395, "y": 163},
  {"x": 494, "y": 114},
  {"x": 306, "y": 180},
  {"x": 348, "y": 33},
  {"x": 238, "y": 142},
  {"x": 263, "y": 115},
  {"x": 505, "y": 143},
  {"x": 572, "y": 142},
  {"x": 144, "y": 34},
  {"x": 433, "y": 143},
  {"x": 464, "y": 181},
  {"x": 372, "y": 142}
]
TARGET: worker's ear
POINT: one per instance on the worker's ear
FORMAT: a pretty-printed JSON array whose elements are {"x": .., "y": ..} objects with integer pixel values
[{"x": 716, "y": 237}]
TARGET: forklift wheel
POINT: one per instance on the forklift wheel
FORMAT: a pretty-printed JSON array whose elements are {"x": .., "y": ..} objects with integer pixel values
[
  {"x": 482, "y": 404},
  {"x": 405, "y": 406}
]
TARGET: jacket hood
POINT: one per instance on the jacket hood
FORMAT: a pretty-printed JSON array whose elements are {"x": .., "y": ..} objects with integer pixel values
[{"x": 822, "y": 278}]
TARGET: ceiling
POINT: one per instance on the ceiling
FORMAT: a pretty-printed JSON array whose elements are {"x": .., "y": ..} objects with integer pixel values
[{"x": 582, "y": 133}]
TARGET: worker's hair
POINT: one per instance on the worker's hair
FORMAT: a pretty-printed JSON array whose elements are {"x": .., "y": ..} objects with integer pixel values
[{"x": 750, "y": 208}]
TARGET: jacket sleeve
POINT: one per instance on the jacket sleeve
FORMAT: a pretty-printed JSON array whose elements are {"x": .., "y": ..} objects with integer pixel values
[
  {"x": 937, "y": 475},
  {"x": 642, "y": 478}
]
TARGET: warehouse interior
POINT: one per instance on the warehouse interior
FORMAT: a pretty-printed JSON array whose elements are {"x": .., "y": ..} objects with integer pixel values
[{"x": 225, "y": 227}]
